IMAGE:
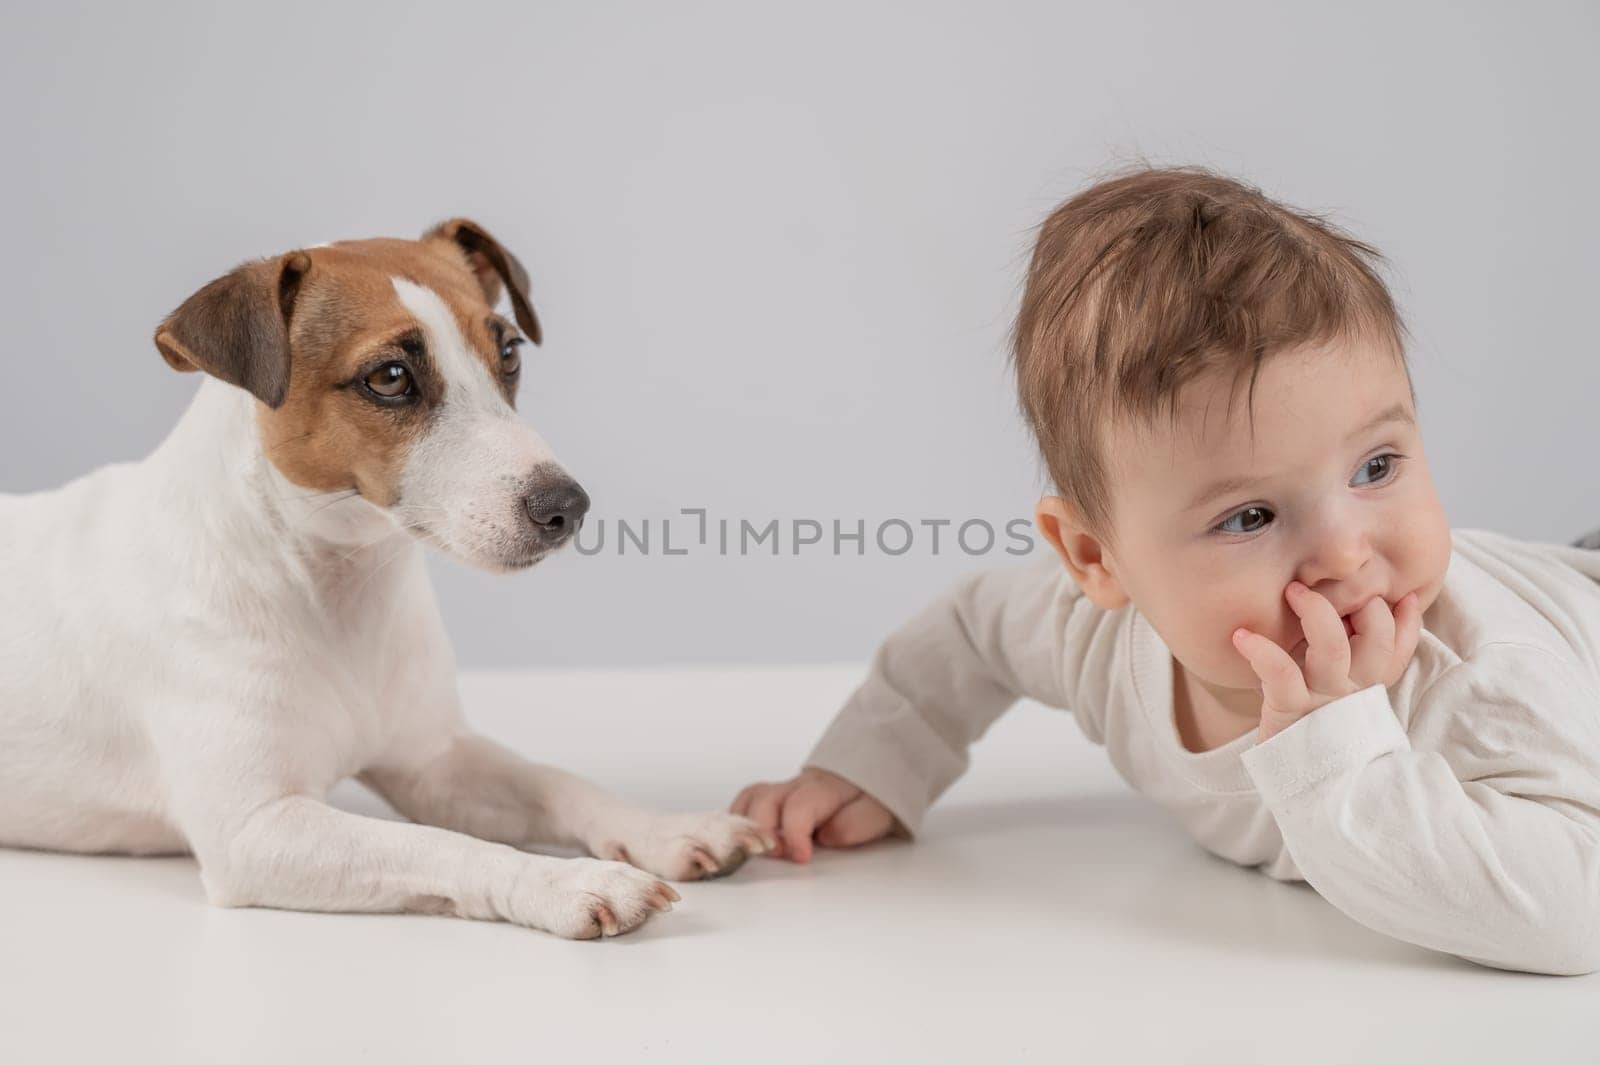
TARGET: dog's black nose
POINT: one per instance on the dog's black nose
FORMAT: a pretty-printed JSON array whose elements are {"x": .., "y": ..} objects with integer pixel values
[{"x": 557, "y": 508}]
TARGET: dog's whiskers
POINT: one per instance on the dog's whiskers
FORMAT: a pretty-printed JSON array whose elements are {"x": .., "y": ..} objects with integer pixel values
[
  {"x": 393, "y": 555},
  {"x": 317, "y": 495},
  {"x": 350, "y": 493},
  {"x": 289, "y": 440},
  {"x": 405, "y": 526}
]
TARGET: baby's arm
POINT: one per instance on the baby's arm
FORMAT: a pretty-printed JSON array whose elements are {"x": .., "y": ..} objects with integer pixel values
[
  {"x": 934, "y": 687},
  {"x": 1488, "y": 848}
]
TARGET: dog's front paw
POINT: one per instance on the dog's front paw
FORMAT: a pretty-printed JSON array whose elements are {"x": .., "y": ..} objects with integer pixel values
[
  {"x": 687, "y": 846},
  {"x": 584, "y": 899}
]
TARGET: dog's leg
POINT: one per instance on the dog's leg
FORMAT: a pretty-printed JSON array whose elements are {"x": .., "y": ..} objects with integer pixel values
[
  {"x": 298, "y": 853},
  {"x": 480, "y": 788}
]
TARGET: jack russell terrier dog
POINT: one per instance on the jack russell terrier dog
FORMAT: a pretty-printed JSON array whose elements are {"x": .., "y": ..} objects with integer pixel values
[{"x": 195, "y": 648}]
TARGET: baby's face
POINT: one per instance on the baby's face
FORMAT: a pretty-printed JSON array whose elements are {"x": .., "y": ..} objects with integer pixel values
[{"x": 1332, "y": 489}]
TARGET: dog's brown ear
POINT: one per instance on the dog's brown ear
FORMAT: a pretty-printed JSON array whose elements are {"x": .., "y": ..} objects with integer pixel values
[
  {"x": 237, "y": 327},
  {"x": 494, "y": 266}
]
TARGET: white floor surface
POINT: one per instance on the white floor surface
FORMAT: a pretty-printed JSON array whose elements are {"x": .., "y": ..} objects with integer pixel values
[{"x": 1047, "y": 914}]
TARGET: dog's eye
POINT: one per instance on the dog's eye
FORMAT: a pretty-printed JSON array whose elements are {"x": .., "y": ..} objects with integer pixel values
[
  {"x": 510, "y": 361},
  {"x": 391, "y": 381}
]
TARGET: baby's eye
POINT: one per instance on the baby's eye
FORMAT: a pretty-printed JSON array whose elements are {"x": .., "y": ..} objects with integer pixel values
[
  {"x": 1381, "y": 466},
  {"x": 1262, "y": 514}
]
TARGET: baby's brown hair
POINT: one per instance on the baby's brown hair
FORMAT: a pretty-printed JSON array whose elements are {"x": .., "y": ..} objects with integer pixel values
[{"x": 1144, "y": 282}]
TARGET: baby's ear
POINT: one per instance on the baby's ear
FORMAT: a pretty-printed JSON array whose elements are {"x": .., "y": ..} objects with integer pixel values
[{"x": 1083, "y": 553}]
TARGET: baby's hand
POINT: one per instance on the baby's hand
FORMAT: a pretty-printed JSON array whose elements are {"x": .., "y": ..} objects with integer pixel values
[
  {"x": 815, "y": 802},
  {"x": 1335, "y": 664}
]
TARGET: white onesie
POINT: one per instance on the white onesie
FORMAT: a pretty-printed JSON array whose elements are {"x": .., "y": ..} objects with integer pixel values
[{"x": 1458, "y": 809}]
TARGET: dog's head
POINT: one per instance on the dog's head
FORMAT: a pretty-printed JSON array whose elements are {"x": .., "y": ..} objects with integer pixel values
[{"x": 381, "y": 366}]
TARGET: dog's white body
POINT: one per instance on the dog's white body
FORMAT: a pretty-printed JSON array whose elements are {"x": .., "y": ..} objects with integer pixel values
[
  {"x": 191, "y": 606},
  {"x": 194, "y": 651}
]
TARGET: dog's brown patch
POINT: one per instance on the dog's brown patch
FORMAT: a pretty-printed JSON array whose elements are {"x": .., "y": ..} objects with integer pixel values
[{"x": 329, "y": 434}]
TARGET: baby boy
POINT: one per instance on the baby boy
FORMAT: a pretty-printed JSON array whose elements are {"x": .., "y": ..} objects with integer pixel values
[{"x": 1255, "y": 601}]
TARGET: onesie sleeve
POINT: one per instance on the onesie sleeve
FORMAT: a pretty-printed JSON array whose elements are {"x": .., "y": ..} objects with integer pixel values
[
  {"x": 1485, "y": 844},
  {"x": 940, "y": 680}
]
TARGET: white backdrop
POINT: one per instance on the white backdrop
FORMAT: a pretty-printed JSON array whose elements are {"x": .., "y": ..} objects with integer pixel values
[{"x": 777, "y": 249}]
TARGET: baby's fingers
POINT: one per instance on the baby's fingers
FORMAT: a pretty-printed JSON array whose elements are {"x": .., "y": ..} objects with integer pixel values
[
  {"x": 798, "y": 820},
  {"x": 763, "y": 806},
  {"x": 1407, "y": 631},
  {"x": 741, "y": 802},
  {"x": 1283, "y": 686},
  {"x": 1327, "y": 659},
  {"x": 1373, "y": 645},
  {"x": 814, "y": 801},
  {"x": 861, "y": 821}
]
